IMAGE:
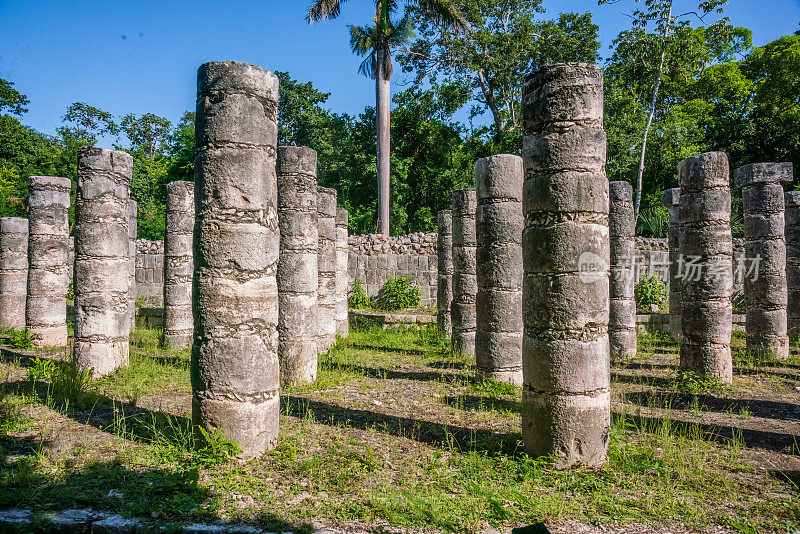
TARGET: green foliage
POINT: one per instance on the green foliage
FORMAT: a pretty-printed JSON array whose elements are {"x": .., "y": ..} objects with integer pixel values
[
  {"x": 691, "y": 382},
  {"x": 215, "y": 448},
  {"x": 649, "y": 292},
  {"x": 41, "y": 370},
  {"x": 653, "y": 222},
  {"x": 358, "y": 298},
  {"x": 398, "y": 293},
  {"x": 505, "y": 42},
  {"x": 70, "y": 382},
  {"x": 22, "y": 339}
]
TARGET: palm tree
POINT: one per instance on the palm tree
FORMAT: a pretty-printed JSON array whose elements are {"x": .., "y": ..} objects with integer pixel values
[{"x": 377, "y": 42}]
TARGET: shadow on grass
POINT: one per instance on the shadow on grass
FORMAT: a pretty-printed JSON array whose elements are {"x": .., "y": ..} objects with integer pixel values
[
  {"x": 394, "y": 374},
  {"x": 773, "y": 441},
  {"x": 439, "y": 434},
  {"x": 684, "y": 401},
  {"x": 476, "y": 403}
]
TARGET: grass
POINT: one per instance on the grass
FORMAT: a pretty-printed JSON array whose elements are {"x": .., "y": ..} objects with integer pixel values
[{"x": 396, "y": 433}]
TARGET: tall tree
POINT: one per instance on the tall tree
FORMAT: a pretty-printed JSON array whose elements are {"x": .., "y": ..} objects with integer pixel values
[
  {"x": 506, "y": 42},
  {"x": 666, "y": 21},
  {"x": 377, "y": 40}
]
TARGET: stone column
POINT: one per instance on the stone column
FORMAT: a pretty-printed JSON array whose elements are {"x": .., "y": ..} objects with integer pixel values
[
  {"x": 792, "y": 204},
  {"x": 342, "y": 319},
  {"x": 498, "y": 224},
  {"x": 235, "y": 374},
  {"x": 178, "y": 265},
  {"x": 13, "y": 271},
  {"x": 707, "y": 253},
  {"x": 670, "y": 198},
  {"x": 102, "y": 259},
  {"x": 297, "y": 265},
  {"x": 444, "y": 278},
  {"x": 765, "y": 253},
  {"x": 622, "y": 232},
  {"x": 48, "y": 251},
  {"x": 326, "y": 261},
  {"x": 132, "y": 228},
  {"x": 566, "y": 404},
  {"x": 465, "y": 283}
]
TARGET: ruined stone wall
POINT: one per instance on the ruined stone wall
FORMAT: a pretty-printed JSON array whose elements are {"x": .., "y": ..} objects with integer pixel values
[{"x": 375, "y": 258}]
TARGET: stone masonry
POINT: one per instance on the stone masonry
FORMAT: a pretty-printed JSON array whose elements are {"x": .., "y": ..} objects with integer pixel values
[
  {"x": 706, "y": 313},
  {"x": 622, "y": 311},
  {"x": 48, "y": 252},
  {"x": 234, "y": 370},
  {"x": 374, "y": 259},
  {"x": 102, "y": 260},
  {"x": 444, "y": 277},
  {"x": 765, "y": 291},
  {"x": 178, "y": 265},
  {"x": 566, "y": 404},
  {"x": 297, "y": 264},
  {"x": 498, "y": 224},
  {"x": 13, "y": 271},
  {"x": 342, "y": 320},
  {"x": 326, "y": 264},
  {"x": 132, "y": 228},
  {"x": 792, "y": 205},
  {"x": 465, "y": 283},
  {"x": 671, "y": 198}
]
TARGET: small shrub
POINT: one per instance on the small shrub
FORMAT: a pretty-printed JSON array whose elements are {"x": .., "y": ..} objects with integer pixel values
[
  {"x": 738, "y": 302},
  {"x": 358, "y": 298},
  {"x": 398, "y": 293},
  {"x": 649, "y": 292},
  {"x": 22, "y": 339}
]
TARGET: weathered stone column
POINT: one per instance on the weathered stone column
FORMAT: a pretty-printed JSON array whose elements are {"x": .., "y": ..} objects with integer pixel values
[
  {"x": 13, "y": 271},
  {"x": 326, "y": 260},
  {"x": 707, "y": 268},
  {"x": 765, "y": 253},
  {"x": 178, "y": 265},
  {"x": 235, "y": 374},
  {"x": 566, "y": 404},
  {"x": 342, "y": 319},
  {"x": 792, "y": 204},
  {"x": 132, "y": 228},
  {"x": 498, "y": 224},
  {"x": 444, "y": 278},
  {"x": 102, "y": 259},
  {"x": 670, "y": 198},
  {"x": 48, "y": 251},
  {"x": 465, "y": 283},
  {"x": 622, "y": 232},
  {"x": 297, "y": 265}
]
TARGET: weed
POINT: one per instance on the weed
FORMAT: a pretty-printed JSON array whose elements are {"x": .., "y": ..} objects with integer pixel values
[
  {"x": 22, "y": 339},
  {"x": 691, "y": 382}
]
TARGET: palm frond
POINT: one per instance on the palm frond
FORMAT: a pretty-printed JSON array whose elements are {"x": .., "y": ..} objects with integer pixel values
[
  {"x": 362, "y": 39},
  {"x": 369, "y": 66},
  {"x": 324, "y": 9},
  {"x": 402, "y": 32},
  {"x": 442, "y": 11}
]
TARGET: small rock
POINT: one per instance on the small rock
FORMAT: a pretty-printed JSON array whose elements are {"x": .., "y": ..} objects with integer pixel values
[{"x": 115, "y": 524}]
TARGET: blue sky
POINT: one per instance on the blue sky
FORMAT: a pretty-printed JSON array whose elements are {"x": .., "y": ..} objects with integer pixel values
[{"x": 142, "y": 56}]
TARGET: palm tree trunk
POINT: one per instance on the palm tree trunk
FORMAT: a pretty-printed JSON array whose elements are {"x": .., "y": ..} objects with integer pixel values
[
  {"x": 383, "y": 130},
  {"x": 650, "y": 116}
]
